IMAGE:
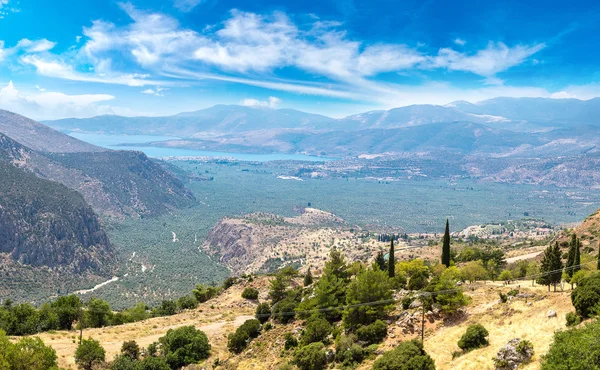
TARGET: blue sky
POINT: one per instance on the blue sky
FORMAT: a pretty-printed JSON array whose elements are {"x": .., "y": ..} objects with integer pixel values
[{"x": 75, "y": 58}]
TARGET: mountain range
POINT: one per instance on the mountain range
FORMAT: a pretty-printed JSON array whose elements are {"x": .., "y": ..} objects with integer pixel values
[{"x": 527, "y": 127}]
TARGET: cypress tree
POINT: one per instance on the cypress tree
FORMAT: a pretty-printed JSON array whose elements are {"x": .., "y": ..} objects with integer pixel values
[
  {"x": 598, "y": 264},
  {"x": 577, "y": 260},
  {"x": 571, "y": 256},
  {"x": 308, "y": 278},
  {"x": 392, "y": 260},
  {"x": 545, "y": 268},
  {"x": 446, "y": 246}
]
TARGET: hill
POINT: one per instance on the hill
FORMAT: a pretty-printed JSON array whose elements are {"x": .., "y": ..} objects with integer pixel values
[{"x": 116, "y": 184}]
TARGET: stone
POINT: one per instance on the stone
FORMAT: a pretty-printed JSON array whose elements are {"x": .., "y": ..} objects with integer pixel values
[
  {"x": 415, "y": 304},
  {"x": 551, "y": 313},
  {"x": 513, "y": 354}
]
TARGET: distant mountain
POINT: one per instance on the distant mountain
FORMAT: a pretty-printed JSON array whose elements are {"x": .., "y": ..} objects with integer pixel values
[
  {"x": 39, "y": 137},
  {"x": 220, "y": 118},
  {"x": 115, "y": 183}
]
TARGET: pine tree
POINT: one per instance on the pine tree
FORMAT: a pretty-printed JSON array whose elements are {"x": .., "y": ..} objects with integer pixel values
[
  {"x": 446, "y": 246},
  {"x": 557, "y": 266},
  {"x": 392, "y": 260},
  {"x": 545, "y": 268},
  {"x": 380, "y": 261},
  {"x": 308, "y": 278}
]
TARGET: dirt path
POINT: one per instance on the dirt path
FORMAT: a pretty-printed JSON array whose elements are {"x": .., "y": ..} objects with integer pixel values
[{"x": 523, "y": 257}]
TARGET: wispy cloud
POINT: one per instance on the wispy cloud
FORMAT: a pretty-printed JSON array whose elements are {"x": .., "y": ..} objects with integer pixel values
[
  {"x": 186, "y": 5},
  {"x": 459, "y": 41},
  {"x": 252, "y": 49},
  {"x": 271, "y": 102},
  {"x": 157, "y": 91},
  {"x": 49, "y": 105}
]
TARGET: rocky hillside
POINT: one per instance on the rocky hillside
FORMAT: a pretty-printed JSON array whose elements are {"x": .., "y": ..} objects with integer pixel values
[
  {"x": 262, "y": 242},
  {"x": 116, "y": 184},
  {"x": 46, "y": 224}
]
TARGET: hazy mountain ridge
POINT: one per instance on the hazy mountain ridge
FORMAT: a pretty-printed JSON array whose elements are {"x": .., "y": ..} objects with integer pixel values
[{"x": 115, "y": 183}]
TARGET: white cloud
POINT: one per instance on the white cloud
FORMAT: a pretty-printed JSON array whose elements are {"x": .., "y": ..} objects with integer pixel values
[
  {"x": 495, "y": 58},
  {"x": 271, "y": 102},
  {"x": 459, "y": 41},
  {"x": 186, "y": 5},
  {"x": 35, "y": 46},
  {"x": 51, "y": 105},
  {"x": 156, "y": 91}
]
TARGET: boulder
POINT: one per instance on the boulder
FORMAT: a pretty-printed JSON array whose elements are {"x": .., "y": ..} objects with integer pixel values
[
  {"x": 551, "y": 313},
  {"x": 513, "y": 354}
]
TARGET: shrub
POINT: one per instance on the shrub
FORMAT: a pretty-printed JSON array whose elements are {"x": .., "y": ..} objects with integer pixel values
[
  {"x": 503, "y": 297},
  {"x": 311, "y": 357},
  {"x": 348, "y": 352},
  {"x": 406, "y": 302},
  {"x": 586, "y": 296},
  {"x": 89, "y": 353},
  {"x": 573, "y": 319},
  {"x": 476, "y": 336},
  {"x": 284, "y": 311},
  {"x": 574, "y": 349},
  {"x": 369, "y": 286},
  {"x": 408, "y": 355},
  {"x": 203, "y": 293},
  {"x": 122, "y": 362},
  {"x": 153, "y": 363},
  {"x": 525, "y": 347},
  {"x": 250, "y": 293},
  {"x": 267, "y": 326},
  {"x": 131, "y": 349},
  {"x": 238, "y": 341},
  {"x": 417, "y": 281},
  {"x": 30, "y": 354},
  {"x": 252, "y": 327},
  {"x": 229, "y": 282},
  {"x": 187, "y": 302},
  {"x": 317, "y": 330},
  {"x": 372, "y": 333},
  {"x": 263, "y": 312},
  {"x": 512, "y": 292},
  {"x": 290, "y": 341},
  {"x": 166, "y": 308},
  {"x": 183, "y": 346}
]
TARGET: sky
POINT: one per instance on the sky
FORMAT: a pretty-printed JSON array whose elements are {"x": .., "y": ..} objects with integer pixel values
[{"x": 74, "y": 58}]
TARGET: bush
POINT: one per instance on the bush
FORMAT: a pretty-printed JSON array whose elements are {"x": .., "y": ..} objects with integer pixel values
[
  {"x": 29, "y": 354},
  {"x": 203, "y": 293},
  {"x": 229, "y": 282},
  {"x": 476, "y": 336},
  {"x": 525, "y": 347},
  {"x": 311, "y": 357},
  {"x": 406, "y": 356},
  {"x": 347, "y": 352},
  {"x": 153, "y": 363},
  {"x": 573, "y": 319},
  {"x": 372, "y": 333},
  {"x": 417, "y": 281},
  {"x": 183, "y": 346},
  {"x": 122, "y": 362},
  {"x": 586, "y": 296},
  {"x": 166, "y": 308},
  {"x": 369, "y": 286},
  {"x": 290, "y": 341},
  {"x": 513, "y": 293},
  {"x": 187, "y": 302},
  {"x": 406, "y": 302},
  {"x": 252, "y": 327},
  {"x": 267, "y": 326},
  {"x": 250, "y": 293},
  {"x": 574, "y": 349},
  {"x": 503, "y": 297},
  {"x": 89, "y": 354},
  {"x": 131, "y": 349},
  {"x": 317, "y": 330},
  {"x": 263, "y": 312},
  {"x": 284, "y": 311},
  {"x": 238, "y": 341}
]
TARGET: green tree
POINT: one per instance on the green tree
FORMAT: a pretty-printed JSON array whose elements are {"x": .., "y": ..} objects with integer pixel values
[
  {"x": 408, "y": 355},
  {"x": 153, "y": 363},
  {"x": 372, "y": 333},
  {"x": 131, "y": 349},
  {"x": 317, "y": 329},
  {"x": 577, "y": 261},
  {"x": 392, "y": 260},
  {"x": 380, "y": 261},
  {"x": 204, "y": 292},
  {"x": 473, "y": 271},
  {"x": 67, "y": 309},
  {"x": 6, "y": 348},
  {"x": 89, "y": 354},
  {"x": 311, "y": 357},
  {"x": 32, "y": 354},
  {"x": 551, "y": 268},
  {"x": 330, "y": 290},
  {"x": 98, "y": 313},
  {"x": 571, "y": 256},
  {"x": 506, "y": 276},
  {"x": 308, "y": 278},
  {"x": 279, "y": 287},
  {"x": 369, "y": 286},
  {"x": 184, "y": 345},
  {"x": 446, "y": 245},
  {"x": 586, "y": 297}
]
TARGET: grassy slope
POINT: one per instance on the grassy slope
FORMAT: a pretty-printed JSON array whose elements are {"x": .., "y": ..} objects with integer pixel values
[{"x": 504, "y": 322}]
